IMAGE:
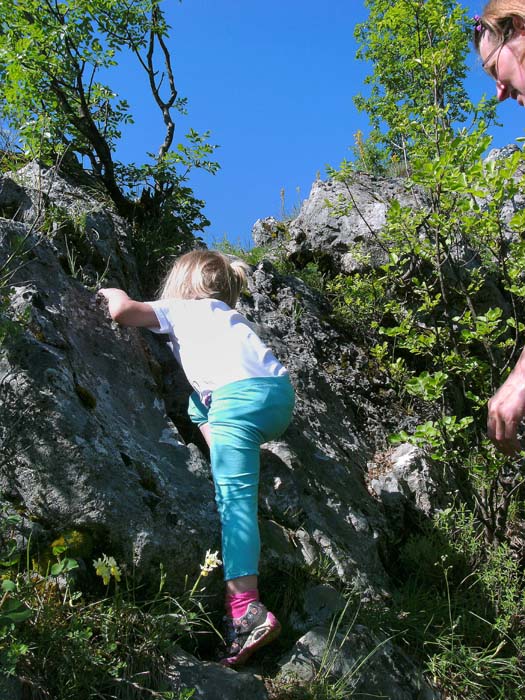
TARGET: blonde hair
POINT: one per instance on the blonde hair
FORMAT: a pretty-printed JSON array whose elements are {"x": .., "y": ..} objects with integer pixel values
[
  {"x": 498, "y": 19},
  {"x": 205, "y": 274}
]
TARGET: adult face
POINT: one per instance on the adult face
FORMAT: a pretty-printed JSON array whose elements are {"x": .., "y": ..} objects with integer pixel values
[{"x": 506, "y": 64}]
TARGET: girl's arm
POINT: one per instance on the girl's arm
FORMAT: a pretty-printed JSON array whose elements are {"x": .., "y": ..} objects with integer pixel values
[{"x": 128, "y": 312}]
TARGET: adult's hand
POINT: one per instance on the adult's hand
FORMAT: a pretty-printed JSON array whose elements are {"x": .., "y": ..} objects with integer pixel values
[{"x": 506, "y": 410}]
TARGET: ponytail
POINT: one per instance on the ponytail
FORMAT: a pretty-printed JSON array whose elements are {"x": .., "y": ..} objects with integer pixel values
[{"x": 239, "y": 278}]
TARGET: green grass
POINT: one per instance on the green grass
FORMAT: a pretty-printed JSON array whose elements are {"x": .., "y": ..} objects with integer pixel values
[{"x": 458, "y": 609}]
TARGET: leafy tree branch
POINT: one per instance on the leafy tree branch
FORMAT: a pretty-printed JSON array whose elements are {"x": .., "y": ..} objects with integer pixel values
[{"x": 51, "y": 57}]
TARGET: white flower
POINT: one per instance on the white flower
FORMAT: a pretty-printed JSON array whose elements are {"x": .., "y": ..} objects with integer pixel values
[{"x": 211, "y": 561}]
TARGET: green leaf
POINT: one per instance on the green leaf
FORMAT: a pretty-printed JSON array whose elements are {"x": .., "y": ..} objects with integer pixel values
[
  {"x": 428, "y": 386},
  {"x": 13, "y": 611},
  {"x": 64, "y": 566}
]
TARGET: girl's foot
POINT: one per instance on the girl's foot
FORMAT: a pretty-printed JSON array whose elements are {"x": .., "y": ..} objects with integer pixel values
[{"x": 248, "y": 633}]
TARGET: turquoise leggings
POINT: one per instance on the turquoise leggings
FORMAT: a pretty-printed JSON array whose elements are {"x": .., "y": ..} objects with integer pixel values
[{"x": 241, "y": 417}]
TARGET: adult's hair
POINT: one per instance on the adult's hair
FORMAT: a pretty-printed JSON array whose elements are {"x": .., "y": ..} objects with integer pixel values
[
  {"x": 498, "y": 19},
  {"x": 205, "y": 274}
]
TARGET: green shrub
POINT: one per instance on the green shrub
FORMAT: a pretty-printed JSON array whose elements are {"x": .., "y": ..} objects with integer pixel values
[{"x": 106, "y": 643}]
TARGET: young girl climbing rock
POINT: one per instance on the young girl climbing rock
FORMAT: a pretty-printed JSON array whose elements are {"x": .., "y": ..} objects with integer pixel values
[{"x": 242, "y": 397}]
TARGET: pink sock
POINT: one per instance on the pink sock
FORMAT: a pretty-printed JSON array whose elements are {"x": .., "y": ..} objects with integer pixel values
[{"x": 237, "y": 603}]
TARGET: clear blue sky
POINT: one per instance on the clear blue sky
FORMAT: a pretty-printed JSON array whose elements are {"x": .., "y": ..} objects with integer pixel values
[{"x": 273, "y": 81}]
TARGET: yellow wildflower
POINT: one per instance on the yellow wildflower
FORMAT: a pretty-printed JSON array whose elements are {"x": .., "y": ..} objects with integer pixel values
[{"x": 106, "y": 568}]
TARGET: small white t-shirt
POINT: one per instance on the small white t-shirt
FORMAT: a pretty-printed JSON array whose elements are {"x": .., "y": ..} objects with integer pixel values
[{"x": 214, "y": 344}]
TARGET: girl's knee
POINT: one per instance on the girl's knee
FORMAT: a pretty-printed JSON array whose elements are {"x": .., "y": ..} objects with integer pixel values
[{"x": 206, "y": 432}]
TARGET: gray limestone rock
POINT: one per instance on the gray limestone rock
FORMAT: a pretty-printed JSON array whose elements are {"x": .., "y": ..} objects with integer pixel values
[
  {"x": 405, "y": 479},
  {"x": 88, "y": 238},
  {"x": 86, "y": 441},
  {"x": 361, "y": 663},
  {"x": 267, "y": 231},
  {"x": 338, "y": 224},
  {"x": 321, "y": 603},
  {"x": 211, "y": 681}
]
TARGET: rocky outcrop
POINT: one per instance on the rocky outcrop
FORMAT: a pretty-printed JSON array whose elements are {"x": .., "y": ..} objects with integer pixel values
[
  {"x": 405, "y": 480},
  {"x": 338, "y": 223},
  {"x": 93, "y": 430}
]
